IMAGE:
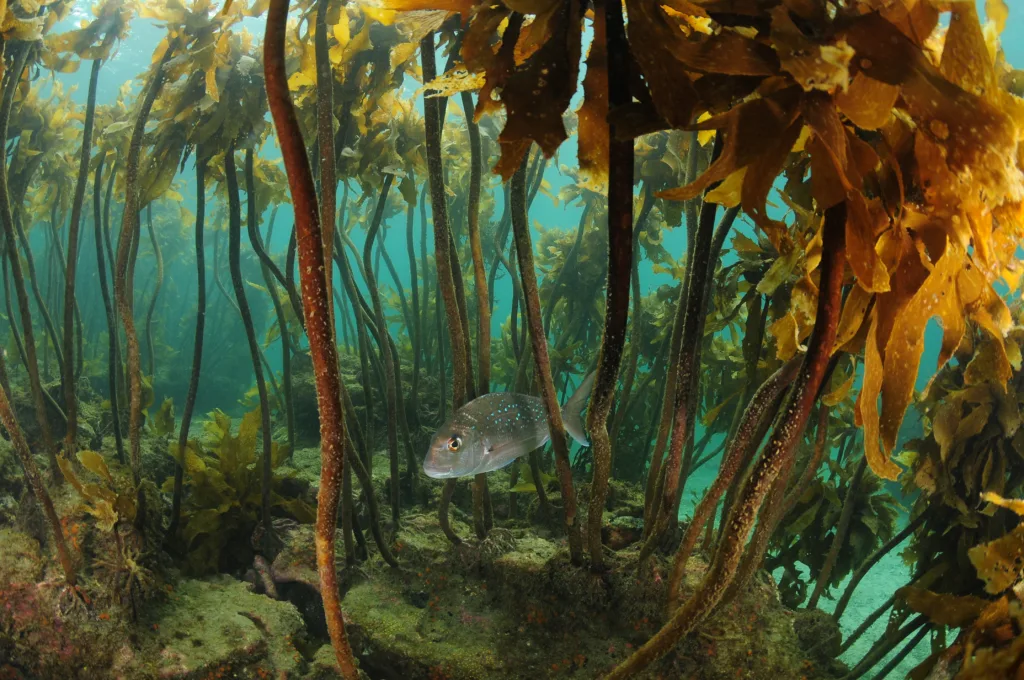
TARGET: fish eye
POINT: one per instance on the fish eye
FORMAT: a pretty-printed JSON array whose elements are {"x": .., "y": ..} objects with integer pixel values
[{"x": 454, "y": 443}]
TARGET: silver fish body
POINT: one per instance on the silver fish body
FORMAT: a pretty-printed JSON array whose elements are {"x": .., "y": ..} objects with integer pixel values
[{"x": 491, "y": 431}]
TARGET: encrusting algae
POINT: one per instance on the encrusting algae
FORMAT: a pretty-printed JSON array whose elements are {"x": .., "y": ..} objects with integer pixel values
[{"x": 778, "y": 211}]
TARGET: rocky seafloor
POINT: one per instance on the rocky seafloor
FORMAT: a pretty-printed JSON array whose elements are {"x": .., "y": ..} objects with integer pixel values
[{"x": 509, "y": 606}]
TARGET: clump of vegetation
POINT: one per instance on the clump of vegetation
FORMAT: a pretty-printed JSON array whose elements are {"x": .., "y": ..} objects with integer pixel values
[{"x": 222, "y": 501}]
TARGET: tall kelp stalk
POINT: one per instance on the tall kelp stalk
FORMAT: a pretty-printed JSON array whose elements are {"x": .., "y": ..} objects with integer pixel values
[
  {"x": 35, "y": 482},
  {"x": 442, "y": 232},
  {"x": 113, "y": 355},
  {"x": 37, "y": 292},
  {"x": 403, "y": 417},
  {"x": 433, "y": 123},
  {"x": 9, "y": 308},
  {"x": 416, "y": 330},
  {"x": 403, "y": 301},
  {"x": 275, "y": 299},
  {"x": 483, "y": 308},
  {"x": 5, "y": 378},
  {"x": 776, "y": 457},
  {"x": 838, "y": 540},
  {"x": 157, "y": 285},
  {"x": 124, "y": 279},
  {"x": 13, "y": 78},
  {"x": 58, "y": 256},
  {"x": 609, "y": 62},
  {"x": 425, "y": 305},
  {"x": 114, "y": 333},
  {"x": 528, "y": 274},
  {"x": 348, "y": 281},
  {"x": 48, "y": 300},
  {"x": 384, "y": 338},
  {"x": 197, "y": 347},
  {"x": 655, "y": 477},
  {"x": 754, "y": 423},
  {"x": 636, "y": 326},
  {"x": 68, "y": 378},
  {"x": 698, "y": 261},
  {"x": 858, "y": 575},
  {"x": 316, "y": 308},
  {"x": 476, "y": 246},
  {"x": 238, "y": 284},
  {"x": 325, "y": 137}
]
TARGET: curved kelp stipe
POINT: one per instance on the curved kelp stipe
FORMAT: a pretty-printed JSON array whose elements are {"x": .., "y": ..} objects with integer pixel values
[{"x": 316, "y": 303}]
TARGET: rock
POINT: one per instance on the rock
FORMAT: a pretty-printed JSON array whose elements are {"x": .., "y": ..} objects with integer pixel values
[
  {"x": 218, "y": 625},
  {"x": 622, "y": 531},
  {"x": 21, "y": 561},
  {"x": 818, "y": 634}
]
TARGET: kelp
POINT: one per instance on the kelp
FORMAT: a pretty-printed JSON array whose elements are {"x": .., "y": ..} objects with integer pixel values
[
  {"x": 234, "y": 254},
  {"x": 197, "y": 348},
  {"x": 157, "y": 285},
  {"x": 384, "y": 338},
  {"x": 538, "y": 341},
  {"x": 7, "y": 218},
  {"x": 124, "y": 279},
  {"x": 775, "y": 462},
  {"x": 309, "y": 238},
  {"x": 68, "y": 377},
  {"x": 224, "y": 484},
  {"x": 110, "y": 26},
  {"x": 35, "y": 482}
]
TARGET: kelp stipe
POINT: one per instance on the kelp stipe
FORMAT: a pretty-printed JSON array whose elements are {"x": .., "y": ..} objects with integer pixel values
[
  {"x": 124, "y": 280},
  {"x": 197, "y": 350},
  {"x": 13, "y": 77},
  {"x": 316, "y": 302},
  {"x": 68, "y": 376},
  {"x": 528, "y": 276}
]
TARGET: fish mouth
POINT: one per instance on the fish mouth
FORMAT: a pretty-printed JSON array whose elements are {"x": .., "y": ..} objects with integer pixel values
[{"x": 439, "y": 471}]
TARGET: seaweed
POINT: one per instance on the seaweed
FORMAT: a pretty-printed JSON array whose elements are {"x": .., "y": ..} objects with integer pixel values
[{"x": 223, "y": 492}]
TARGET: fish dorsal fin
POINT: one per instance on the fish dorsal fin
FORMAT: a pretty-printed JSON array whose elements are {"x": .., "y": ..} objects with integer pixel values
[{"x": 573, "y": 410}]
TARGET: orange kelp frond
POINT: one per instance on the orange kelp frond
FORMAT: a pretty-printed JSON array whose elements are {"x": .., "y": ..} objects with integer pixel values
[
  {"x": 921, "y": 141},
  {"x": 528, "y": 53}
]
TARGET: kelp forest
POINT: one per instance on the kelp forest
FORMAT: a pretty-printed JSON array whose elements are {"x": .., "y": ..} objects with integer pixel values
[{"x": 460, "y": 339}]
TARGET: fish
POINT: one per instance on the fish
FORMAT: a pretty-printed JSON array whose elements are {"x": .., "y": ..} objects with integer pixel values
[{"x": 495, "y": 429}]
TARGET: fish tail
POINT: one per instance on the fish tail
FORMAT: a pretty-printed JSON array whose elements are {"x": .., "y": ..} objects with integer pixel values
[{"x": 572, "y": 412}]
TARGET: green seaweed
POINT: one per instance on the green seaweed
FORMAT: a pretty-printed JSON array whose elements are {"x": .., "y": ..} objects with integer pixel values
[{"x": 222, "y": 504}]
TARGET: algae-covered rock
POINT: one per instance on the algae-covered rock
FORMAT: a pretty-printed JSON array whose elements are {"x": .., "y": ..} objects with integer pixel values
[
  {"x": 818, "y": 634},
  {"x": 219, "y": 625},
  {"x": 622, "y": 531},
  {"x": 10, "y": 483},
  {"x": 21, "y": 562}
]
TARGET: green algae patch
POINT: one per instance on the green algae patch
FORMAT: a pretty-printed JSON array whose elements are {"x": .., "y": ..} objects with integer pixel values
[
  {"x": 511, "y": 606},
  {"x": 219, "y": 625},
  {"x": 21, "y": 561},
  {"x": 398, "y": 639}
]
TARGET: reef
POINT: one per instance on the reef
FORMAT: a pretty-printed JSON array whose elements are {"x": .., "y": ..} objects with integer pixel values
[{"x": 505, "y": 606}]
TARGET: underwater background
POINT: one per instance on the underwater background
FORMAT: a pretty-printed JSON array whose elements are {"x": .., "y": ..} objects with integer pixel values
[{"x": 227, "y": 390}]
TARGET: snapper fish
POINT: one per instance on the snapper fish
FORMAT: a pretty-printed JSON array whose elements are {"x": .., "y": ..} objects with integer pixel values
[{"x": 491, "y": 431}]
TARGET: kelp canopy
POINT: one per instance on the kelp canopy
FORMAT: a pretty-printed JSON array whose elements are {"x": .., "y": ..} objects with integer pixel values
[{"x": 847, "y": 174}]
